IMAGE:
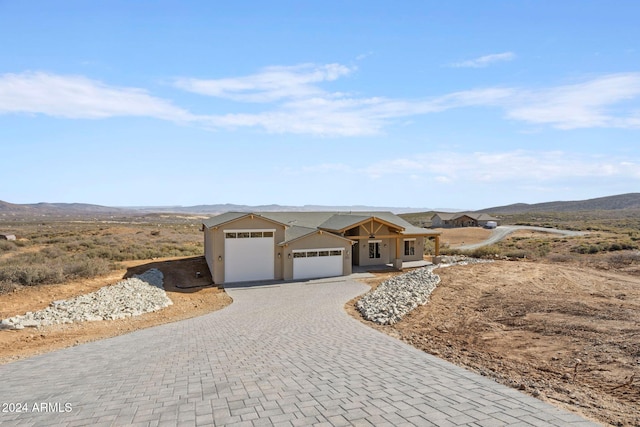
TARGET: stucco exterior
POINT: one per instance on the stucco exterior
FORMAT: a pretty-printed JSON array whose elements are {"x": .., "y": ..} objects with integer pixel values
[
  {"x": 214, "y": 243},
  {"x": 314, "y": 241},
  {"x": 360, "y": 239}
]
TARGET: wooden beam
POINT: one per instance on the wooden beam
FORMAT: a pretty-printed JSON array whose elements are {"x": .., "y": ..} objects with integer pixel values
[
  {"x": 437, "y": 246},
  {"x": 377, "y": 229}
]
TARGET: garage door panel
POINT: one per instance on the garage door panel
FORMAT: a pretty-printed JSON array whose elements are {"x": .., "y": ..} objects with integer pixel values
[
  {"x": 249, "y": 258},
  {"x": 315, "y": 265}
]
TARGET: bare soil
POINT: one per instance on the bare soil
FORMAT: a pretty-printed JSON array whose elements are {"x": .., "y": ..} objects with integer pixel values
[
  {"x": 454, "y": 237},
  {"x": 192, "y": 296},
  {"x": 566, "y": 334}
]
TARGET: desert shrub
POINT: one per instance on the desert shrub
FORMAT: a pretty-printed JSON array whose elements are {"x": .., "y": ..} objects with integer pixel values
[
  {"x": 449, "y": 251},
  {"x": 32, "y": 275},
  {"x": 52, "y": 252},
  {"x": 561, "y": 258},
  {"x": 484, "y": 252},
  {"x": 86, "y": 267},
  {"x": 623, "y": 259},
  {"x": 517, "y": 253},
  {"x": 7, "y": 287},
  {"x": 6, "y": 246},
  {"x": 20, "y": 243}
]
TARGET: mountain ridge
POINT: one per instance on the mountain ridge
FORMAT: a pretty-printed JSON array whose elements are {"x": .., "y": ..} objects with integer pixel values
[{"x": 607, "y": 203}]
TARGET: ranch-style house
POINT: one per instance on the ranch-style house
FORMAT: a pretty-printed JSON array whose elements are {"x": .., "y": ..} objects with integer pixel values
[
  {"x": 458, "y": 219},
  {"x": 242, "y": 246}
]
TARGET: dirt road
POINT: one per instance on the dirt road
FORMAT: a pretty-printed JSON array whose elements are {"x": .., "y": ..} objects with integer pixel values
[{"x": 503, "y": 231}]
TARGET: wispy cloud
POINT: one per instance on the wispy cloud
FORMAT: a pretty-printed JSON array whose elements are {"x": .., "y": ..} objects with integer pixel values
[
  {"x": 485, "y": 61},
  {"x": 271, "y": 84},
  {"x": 78, "y": 97},
  {"x": 295, "y": 100},
  {"x": 582, "y": 105},
  {"x": 518, "y": 167}
]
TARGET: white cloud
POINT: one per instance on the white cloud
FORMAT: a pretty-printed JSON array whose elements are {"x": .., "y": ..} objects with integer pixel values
[
  {"x": 485, "y": 61},
  {"x": 583, "y": 105},
  {"x": 271, "y": 84},
  {"x": 293, "y": 101},
  {"x": 299, "y": 105},
  {"x": 80, "y": 98},
  {"x": 519, "y": 167}
]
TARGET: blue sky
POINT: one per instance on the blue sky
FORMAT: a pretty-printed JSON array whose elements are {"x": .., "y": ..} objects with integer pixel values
[{"x": 456, "y": 104}]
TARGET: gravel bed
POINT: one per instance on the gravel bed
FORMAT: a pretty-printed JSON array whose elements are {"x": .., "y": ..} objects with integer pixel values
[
  {"x": 395, "y": 298},
  {"x": 130, "y": 297}
]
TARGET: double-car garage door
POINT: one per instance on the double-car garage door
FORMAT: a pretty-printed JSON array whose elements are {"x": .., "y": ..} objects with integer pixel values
[{"x": 310, "y": 263}]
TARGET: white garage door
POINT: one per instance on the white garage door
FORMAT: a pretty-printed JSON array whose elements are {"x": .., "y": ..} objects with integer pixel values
[
  {"x": 308, "y": 264},
  {"x": 248, "y": 255}
]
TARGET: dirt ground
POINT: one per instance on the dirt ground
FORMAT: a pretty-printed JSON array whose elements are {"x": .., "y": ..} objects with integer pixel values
[
  {"x": 566, "y": 334},
  {"x": 191, "y": 296},
  {"x": 453, "y": 237}
]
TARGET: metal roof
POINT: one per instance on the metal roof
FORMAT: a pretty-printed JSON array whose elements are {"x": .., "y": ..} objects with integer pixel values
[
  {"x": 222, "y": 218},
  {"x": 301, "y": 223},
  {"x": 339, "y": 222},
  {"x": 295, "y": 232}
]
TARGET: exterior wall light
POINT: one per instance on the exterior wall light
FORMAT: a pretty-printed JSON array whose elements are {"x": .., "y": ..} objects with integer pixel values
[
  {"x": 219, "y": 257},
  {"x": 289, "y": 256}
]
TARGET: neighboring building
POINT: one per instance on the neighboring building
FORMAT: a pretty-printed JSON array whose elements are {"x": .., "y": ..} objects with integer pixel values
[
  {"x": 7, "y": 237},
  {"x": 242, "y": 247},
  {"x": 460, "y": 219}
]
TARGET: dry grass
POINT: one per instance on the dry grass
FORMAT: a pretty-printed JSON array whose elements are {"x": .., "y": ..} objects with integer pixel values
[{"x": 60, "y": 250}]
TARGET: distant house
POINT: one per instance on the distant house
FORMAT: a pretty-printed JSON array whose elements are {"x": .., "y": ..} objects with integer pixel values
[
  {"x": 461, "y": 219},
  {"x": 7, "y": 237},
  {"x": 240, "y": 246}
]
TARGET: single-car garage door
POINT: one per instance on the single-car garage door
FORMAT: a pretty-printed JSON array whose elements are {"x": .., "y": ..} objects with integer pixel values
[
  {"x": 308, "y": 263},
  {"x": 248, "y": 255}
]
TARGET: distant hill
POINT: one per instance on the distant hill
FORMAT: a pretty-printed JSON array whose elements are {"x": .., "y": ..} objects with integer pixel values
[
  {"x": 220, "y": 208},
  {"x": 57, "y": 209},
  {"x": 83, "y": 209},
  {"x": 619, "y": 202}
]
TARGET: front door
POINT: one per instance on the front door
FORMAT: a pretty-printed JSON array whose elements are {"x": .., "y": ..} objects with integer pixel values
[{"x": 374, "y": 250}]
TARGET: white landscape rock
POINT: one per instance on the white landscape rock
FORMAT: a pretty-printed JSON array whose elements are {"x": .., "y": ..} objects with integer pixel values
[
  {"x": 395, "y": 298},
  {"x": 140, "y": 294}
]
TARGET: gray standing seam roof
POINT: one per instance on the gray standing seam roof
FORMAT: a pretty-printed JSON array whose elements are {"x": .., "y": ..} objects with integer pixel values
[
  {"x": 341, "y": 221},
  {"x": 222, "y": 218},
  {"x": 315, "y": 220}
]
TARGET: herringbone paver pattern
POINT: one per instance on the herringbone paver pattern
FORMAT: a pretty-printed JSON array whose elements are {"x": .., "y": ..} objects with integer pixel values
[{"x": 281, "y": 354}]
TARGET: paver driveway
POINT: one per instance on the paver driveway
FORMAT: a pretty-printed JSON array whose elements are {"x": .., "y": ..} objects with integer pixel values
[{"x": 283, "y": 354}]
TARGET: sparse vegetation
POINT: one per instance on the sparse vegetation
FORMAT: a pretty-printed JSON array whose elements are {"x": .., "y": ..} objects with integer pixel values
[
  {"x": 609, "y": 231},
  {"x": 63, "y": 249}
]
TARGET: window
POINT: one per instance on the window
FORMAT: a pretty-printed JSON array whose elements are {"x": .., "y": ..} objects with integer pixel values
[
  {"x": 310, "y": 254},
  {"x": 323, "y": 253},
  {"x": 374, "y": 250},
  {"x": 409, "y": 247},
  {"x": 299, "y": 254},
  {"x": 248, "y": 234},
  {"x": 335, "y": 253}
]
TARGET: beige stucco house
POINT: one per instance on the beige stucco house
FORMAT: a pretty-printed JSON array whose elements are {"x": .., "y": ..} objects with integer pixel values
[
  {"x": 302, "y": 245},
  {"x": 458, "y": 219}
]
